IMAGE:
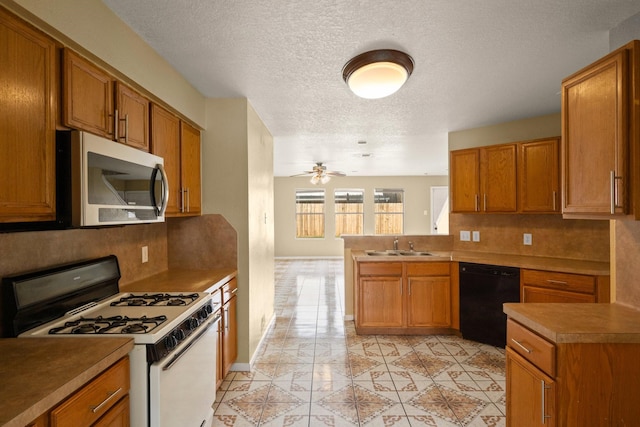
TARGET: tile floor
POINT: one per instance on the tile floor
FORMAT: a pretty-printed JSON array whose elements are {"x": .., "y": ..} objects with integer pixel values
[{"x": 313, "y": 370}]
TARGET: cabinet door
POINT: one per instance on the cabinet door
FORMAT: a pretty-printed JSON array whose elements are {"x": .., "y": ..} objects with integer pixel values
[
  {"x": 190, "y": 168},
  {"x": 498, "y": 178},
  {"x": 530, "y": 394},
  {"x": 380, "y": 302},
  {"x": 133, "y": 117},
  {"x": 595, "y": 137},
  {"x": 429, "y": 301},
  {"x": 88, "y": 96},
  {"x": 539, "y": 176},
  {"x": 230, "y": 332},
  {"x": 27, "y": 122},
  {"x": 165, "y": 142},
  {"x": 465, "y": 180}
]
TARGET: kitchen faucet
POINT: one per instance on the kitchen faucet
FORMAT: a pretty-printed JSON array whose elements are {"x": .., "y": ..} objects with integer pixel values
[
  {"x": 395, "y": 243},
  {"x": 411, "y": 246}
]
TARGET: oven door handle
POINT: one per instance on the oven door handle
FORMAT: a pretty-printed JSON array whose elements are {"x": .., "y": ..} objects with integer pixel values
[{"x": 178, "y": 355}]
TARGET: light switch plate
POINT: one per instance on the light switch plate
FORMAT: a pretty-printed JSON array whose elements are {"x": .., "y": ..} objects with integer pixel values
[
  {"x": 465, "y": 236},
  {"x": 527, "y": 239},
  {"x": 476, "y": 236},
  {"x": 145, "y": 254}
]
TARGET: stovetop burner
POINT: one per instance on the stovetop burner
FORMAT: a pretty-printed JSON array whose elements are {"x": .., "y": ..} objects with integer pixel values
[
  {"x": 156, "y": 299},
  {"x": 109, "y": 325}
]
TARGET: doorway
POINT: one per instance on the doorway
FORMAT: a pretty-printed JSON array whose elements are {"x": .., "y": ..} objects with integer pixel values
[{"x": 439, "y": 210}]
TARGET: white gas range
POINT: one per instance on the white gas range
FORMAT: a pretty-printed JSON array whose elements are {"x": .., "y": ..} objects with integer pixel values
[{"x": 173, "y": 363}]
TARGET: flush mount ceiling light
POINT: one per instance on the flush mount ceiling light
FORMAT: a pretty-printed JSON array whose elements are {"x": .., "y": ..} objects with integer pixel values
[{"x": 377, "y": 73}]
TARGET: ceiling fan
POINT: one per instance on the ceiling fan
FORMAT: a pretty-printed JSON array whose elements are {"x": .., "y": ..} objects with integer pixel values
[{"x": 320, "y": 174}]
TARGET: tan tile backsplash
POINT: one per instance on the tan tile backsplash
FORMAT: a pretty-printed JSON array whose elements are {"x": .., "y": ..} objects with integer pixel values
[{"x": 552, "y": 236}]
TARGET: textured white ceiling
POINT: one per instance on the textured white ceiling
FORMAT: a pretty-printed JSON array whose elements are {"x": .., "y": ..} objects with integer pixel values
[{"x": 477, "y": 63}]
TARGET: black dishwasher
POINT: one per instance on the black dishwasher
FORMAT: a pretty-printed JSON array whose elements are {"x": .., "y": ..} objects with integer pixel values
[{"x": 483, "y": 290}]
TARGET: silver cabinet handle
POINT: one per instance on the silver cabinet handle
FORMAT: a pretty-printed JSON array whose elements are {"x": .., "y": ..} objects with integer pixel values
[
  {"x": 554, "y": 200},
  {"x": 126, "y": 128},
  {"x": 544, "y": 389},
  {"x": 234, "y": 291},
  {"x": 477, "y": 203},
  {"x": 612, "y": 190},
  {"x": 485, "y": 202},
  {"x": 614, "y": 194},
  {"x": 520, "y": 345},
  {"x": 182, "y": 199},
  {"x": 110, "y": 396},
  {"x": 188, "y": 199},
  {"x": 115, "y": 125},
  {"x": 557, "y": 282}
]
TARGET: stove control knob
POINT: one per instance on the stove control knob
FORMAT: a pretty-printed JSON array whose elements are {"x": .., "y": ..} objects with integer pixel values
[
  {"x": 208, "y": 308},
  {"x": 203, "y": 314},
  {"x": 170, "y": 341},
  {"x": 192, "y": 323},
  {"x": 180, "y": 335}
]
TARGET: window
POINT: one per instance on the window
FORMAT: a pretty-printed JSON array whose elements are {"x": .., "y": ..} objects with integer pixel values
[
  {"x": 349, "y": 209},
  {"x": 310, "y": 213},
  {"x": 389, "y": 210}
]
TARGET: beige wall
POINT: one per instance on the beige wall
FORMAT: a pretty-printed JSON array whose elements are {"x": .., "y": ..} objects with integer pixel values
[
  {"x": 237, "y": 182},
  {"x": 517, "y": 130},
  {"x": 417, "y": 192}
]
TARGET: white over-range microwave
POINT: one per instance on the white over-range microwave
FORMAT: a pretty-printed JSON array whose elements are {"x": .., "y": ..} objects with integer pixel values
[{"x": 112, "y": 183}]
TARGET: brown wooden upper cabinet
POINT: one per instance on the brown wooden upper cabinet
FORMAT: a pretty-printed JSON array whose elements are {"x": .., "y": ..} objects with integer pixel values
[
  {"x": 179, "y": 145},
  {"x": 520, "y": 177},
  {"x": 600, "y": 123},
  {"x": 95, "y": 102},
  {"x": 539, "y": 176},
  {"x": 88, "y": 96},
  {"x": 28, "y": 103},
  {"x": 132, "y": 117},
  {"x": 484, "y": 179},
  {"x": 464, "y": 173}
]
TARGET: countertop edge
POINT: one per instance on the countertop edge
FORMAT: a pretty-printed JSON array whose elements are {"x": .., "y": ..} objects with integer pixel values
[
  {"x": 561, "y": 265},
  {"x": 185, "y": 280}
]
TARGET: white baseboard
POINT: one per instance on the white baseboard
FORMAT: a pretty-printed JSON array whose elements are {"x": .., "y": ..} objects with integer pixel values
[{"x": 348, "y": 317}]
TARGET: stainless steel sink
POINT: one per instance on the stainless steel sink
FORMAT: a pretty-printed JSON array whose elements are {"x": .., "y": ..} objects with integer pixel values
[{"x": 397, "y": 253}]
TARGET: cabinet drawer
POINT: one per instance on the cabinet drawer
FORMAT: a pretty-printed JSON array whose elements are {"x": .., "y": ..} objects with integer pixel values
[
  {"x": 562, "y": 281},
  {"x": 229, "y": 290},
  {"x": 428, "y": 269},
  {"x": 532, "y": 347},
  {"x": 94, "y": 399},
  {"x": 380, "y": 269}
]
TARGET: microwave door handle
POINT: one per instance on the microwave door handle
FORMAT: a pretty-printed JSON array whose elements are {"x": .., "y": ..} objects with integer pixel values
[{"x": 165, "y": 190}]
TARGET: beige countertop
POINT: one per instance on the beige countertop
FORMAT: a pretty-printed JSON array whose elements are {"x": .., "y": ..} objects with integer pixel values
[
  {"x": 562, "y": 265},
  {"x": 39, "y": 373},
  {"x": 182, "y": 280},
  {"x": 578, "y": 323}
]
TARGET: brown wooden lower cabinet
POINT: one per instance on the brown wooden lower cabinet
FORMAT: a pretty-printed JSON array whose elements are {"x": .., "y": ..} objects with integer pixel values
[
  {"x": 229, "y": 325},
  {"x": 403, "y": 297},
  {"x": 102, "y": 402},
  {"x": 570, "y": 384},
  {"x": 548, "y": 286}
]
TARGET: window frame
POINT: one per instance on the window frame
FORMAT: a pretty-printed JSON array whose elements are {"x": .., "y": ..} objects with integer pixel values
[
  {"x": 336, "y": 213},
  {"x": 378, "y": 214},
  {"x": 311, "y": 214}
]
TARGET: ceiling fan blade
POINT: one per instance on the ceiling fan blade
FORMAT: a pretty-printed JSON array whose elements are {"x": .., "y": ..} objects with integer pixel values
[
  {"x": 335, "y": 173},
  {"x": 303, "y": 174}
]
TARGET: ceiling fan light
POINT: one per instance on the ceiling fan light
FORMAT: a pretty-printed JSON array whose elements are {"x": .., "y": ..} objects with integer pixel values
[
  {"x": 315, "y": 179},
  {"x": 377, "y": 73},
  {"x": 324, "y": 179}
]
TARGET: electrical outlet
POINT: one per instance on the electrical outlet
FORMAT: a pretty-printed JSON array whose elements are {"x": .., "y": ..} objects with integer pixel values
[
  {"x": 465, "y": 236},
  {"x": 145, "y": 254},
  {"x": 527, "y": 239},
  {"x": 476, "y": 236}
]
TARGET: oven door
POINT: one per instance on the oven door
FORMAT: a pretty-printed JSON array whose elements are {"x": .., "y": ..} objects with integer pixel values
[{"x": 183, "y": 385}]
